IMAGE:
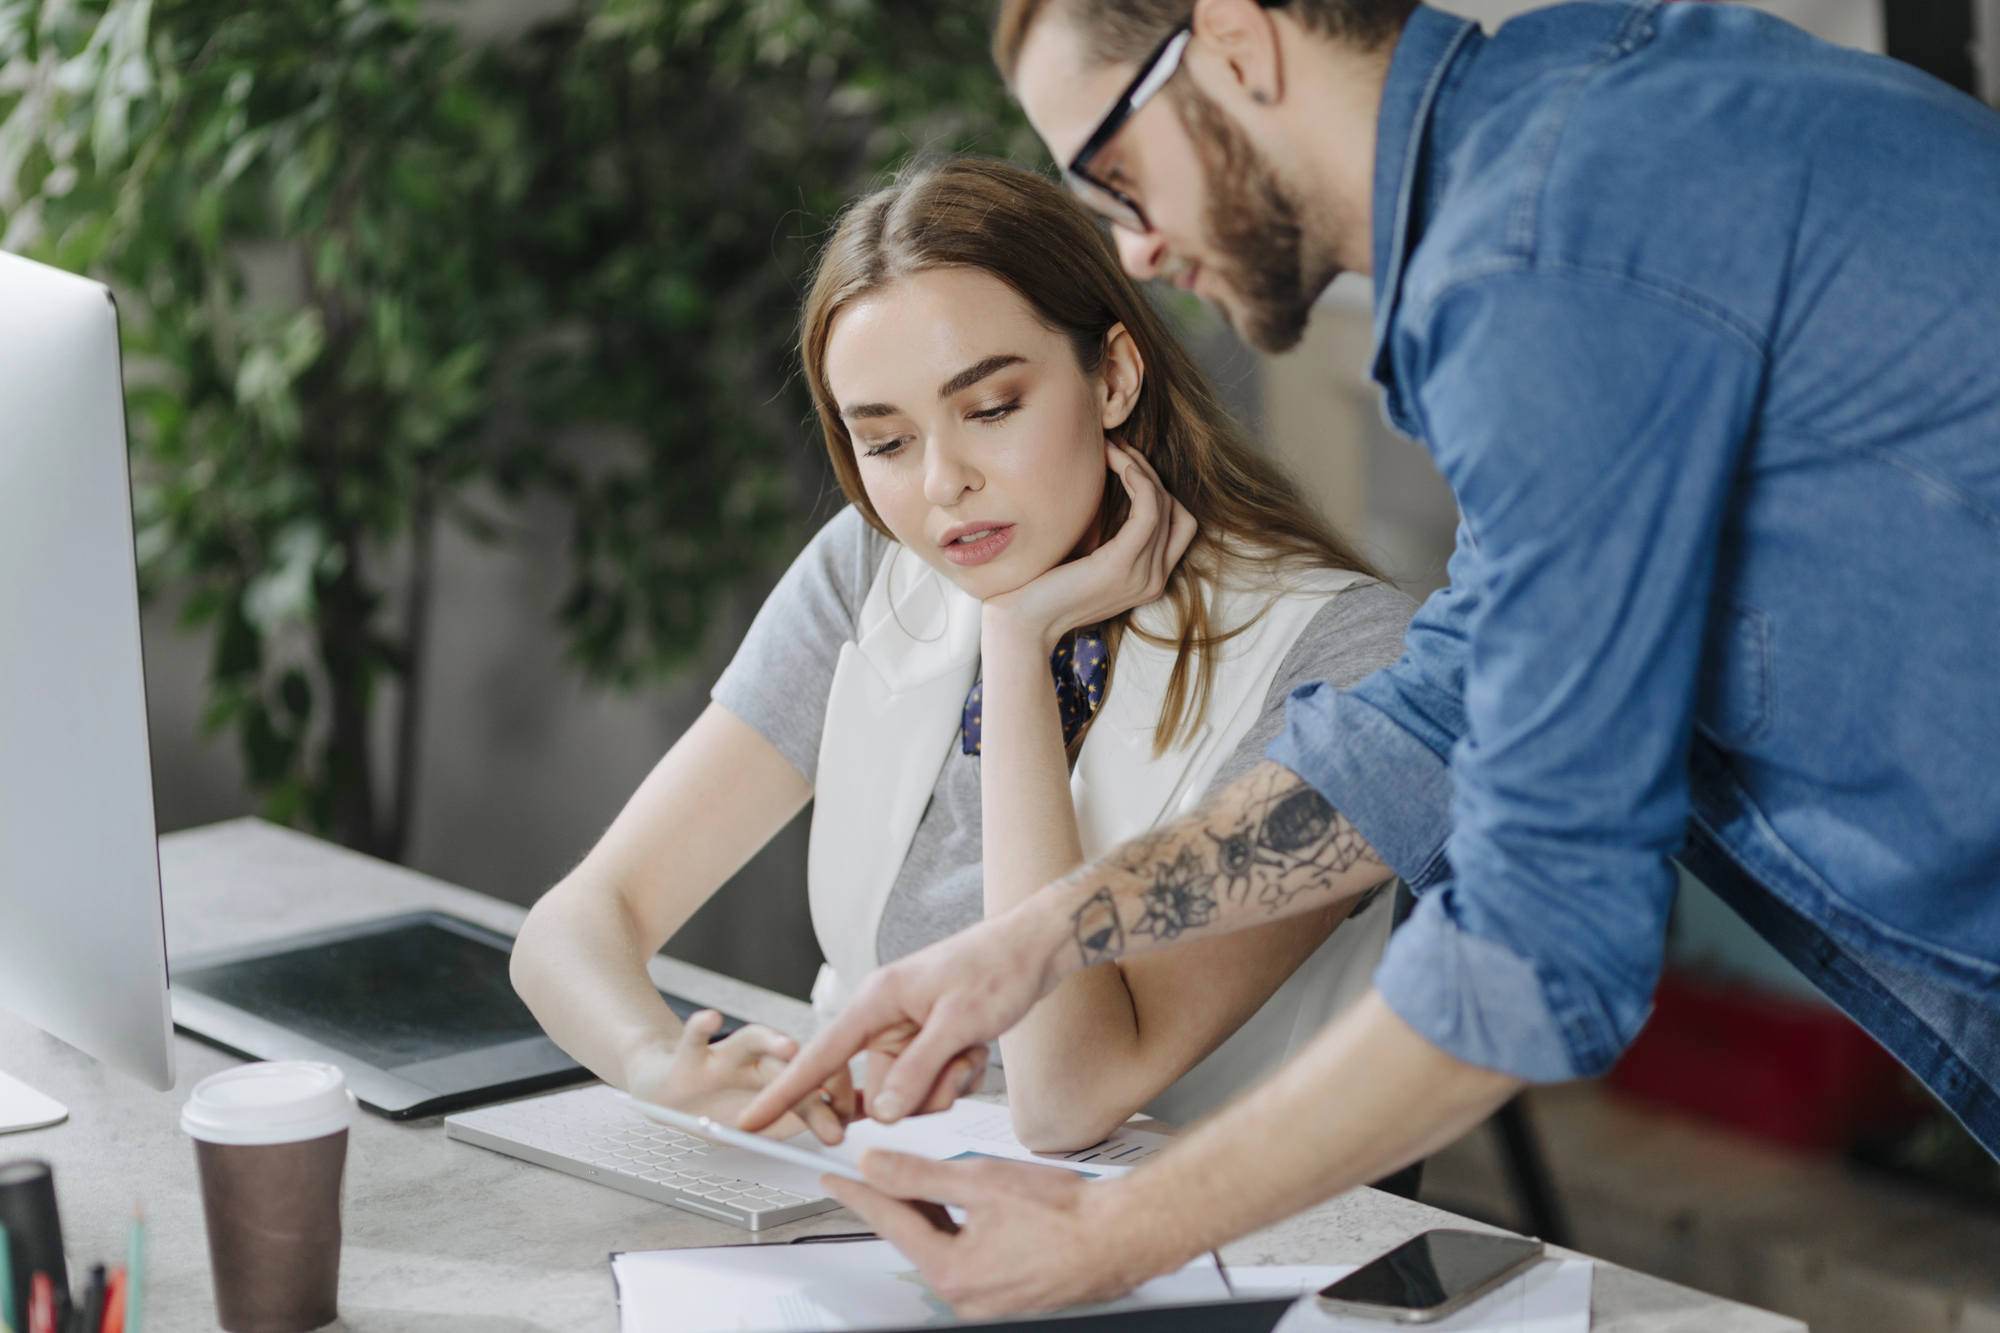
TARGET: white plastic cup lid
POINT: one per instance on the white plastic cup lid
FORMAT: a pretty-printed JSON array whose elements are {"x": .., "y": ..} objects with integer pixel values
[{"x": 276, "y": 1101}]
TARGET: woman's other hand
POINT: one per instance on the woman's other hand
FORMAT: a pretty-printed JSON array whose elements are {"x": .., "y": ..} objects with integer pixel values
[
  {"x": 1129, "y": 570},
  {"x": 719, "y": 1078},
  {"x": 961, "y": 1077}
]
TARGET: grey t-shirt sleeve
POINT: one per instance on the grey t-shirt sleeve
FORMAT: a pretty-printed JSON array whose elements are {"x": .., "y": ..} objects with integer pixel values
[
  {"x": 779, "y": 680},
  {"x": 1356, "y": 632}
]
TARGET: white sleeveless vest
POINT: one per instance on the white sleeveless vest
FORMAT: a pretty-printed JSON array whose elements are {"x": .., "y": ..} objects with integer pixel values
[{"x": 893, "y": 715}]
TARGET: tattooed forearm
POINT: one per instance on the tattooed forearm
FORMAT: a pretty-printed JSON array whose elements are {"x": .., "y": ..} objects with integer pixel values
[{"x": 1264, "y": 840}]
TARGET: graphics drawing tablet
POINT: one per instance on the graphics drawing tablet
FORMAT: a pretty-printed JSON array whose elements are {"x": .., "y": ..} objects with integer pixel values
[{"x": 417, "y": 1009}]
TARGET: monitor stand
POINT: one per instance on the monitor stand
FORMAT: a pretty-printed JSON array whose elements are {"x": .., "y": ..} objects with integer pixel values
[{"x": 21, "y": 1107}]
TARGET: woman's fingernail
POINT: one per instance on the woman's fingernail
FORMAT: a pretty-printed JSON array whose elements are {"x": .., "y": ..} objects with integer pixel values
[{"x": 888, "y": 1107}]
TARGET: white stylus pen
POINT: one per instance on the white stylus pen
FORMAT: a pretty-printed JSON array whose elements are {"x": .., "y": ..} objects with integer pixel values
[{"x": 716, "y": 1132}]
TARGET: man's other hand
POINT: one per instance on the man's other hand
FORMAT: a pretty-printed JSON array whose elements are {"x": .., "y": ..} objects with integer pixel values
[
  {"x": 1034, "y": 1237},
  {"x": 925, "y": 1020}
]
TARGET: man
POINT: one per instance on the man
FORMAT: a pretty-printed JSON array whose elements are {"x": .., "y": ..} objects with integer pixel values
[{"x": 1699, "y": 318}]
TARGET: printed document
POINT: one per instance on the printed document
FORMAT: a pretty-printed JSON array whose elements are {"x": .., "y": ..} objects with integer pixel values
[
  {"x": 870, "y": 1285},
  {"x": 815, "y": 1288}
]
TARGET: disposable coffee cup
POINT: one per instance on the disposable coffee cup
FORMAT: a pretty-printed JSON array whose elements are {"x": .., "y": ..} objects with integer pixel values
[{"x": 271, "y": 1142}]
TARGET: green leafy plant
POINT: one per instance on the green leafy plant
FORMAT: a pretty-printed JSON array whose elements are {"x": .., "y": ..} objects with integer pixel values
[{"x": 375, "y": 279}]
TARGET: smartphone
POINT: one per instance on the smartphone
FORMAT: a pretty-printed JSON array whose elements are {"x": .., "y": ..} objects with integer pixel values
[{"x": 1430, "y": 1276}]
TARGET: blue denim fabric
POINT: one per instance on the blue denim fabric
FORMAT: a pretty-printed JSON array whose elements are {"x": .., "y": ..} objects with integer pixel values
[{"x": 1700, "y": 317}]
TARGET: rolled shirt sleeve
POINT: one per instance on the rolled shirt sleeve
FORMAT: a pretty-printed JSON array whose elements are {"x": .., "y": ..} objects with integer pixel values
[{"x": 1524, "y": 765}]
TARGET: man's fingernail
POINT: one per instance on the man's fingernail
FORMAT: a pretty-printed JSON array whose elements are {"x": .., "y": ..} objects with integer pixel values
[{"x": 888, "y": 1106}]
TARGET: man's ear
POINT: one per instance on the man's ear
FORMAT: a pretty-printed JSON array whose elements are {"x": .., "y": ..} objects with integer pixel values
[
  {"x": 1124, "y": 372},
  {"x": 1242, "y": 36}
]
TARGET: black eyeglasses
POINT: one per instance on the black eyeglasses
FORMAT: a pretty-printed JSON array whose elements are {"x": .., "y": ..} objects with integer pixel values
[{"x": 1099, "y": 196}]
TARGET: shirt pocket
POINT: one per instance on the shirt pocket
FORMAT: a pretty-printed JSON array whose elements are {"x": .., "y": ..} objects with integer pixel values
[{"x": 1733, "y": 700}]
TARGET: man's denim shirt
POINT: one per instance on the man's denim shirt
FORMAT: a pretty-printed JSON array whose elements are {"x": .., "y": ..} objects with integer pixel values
[{"x": 1700, "y": 317}]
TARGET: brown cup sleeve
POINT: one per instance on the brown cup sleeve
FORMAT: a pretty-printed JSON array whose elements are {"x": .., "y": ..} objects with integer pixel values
[{"x": 273, "y": 1213}]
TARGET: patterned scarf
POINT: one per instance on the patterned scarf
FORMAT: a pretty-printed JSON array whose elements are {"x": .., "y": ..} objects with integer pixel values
[{"x": 1079, "y": 669}]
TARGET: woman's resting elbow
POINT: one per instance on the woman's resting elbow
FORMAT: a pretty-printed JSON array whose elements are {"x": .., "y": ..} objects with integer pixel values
[{"x": 1053, "y": 1129}]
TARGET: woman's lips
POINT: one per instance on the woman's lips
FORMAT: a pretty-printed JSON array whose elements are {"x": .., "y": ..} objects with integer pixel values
[{"x": 984, "y": 542}]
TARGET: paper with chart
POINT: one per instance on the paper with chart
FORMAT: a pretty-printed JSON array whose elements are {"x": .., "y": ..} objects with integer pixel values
[
  {"x": 1551, "y": 1297},
  {"x": 968, "y": 1130},
  {"x": 817, "y": 1289}
]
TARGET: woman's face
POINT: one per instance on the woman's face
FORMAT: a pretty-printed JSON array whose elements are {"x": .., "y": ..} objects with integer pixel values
[{"x": 979, "y": 439}]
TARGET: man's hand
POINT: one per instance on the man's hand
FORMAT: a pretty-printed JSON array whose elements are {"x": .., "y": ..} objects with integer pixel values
[
  {"x": 1367, "y": 1096},
  {"x": 925, "y": 1020},
  {"x": 1034, "y": 1237}
]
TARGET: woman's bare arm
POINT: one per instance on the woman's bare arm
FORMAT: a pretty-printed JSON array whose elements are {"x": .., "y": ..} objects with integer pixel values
[
  {"x": 1110, "y": 1038},
  {"x": 716, "y": 797},
  {"x": 1028, "y": 833}
]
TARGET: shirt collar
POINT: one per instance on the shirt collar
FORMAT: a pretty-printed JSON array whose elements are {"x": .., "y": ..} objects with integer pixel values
[{"x": 1430, "y": 42}]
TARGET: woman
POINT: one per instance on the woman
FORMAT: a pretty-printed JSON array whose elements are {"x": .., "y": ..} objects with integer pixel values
[{"x": 1066, "y": 601}]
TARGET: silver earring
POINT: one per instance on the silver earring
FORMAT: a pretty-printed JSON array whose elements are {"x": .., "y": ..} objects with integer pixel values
[{"x": 1261, "y": 96}]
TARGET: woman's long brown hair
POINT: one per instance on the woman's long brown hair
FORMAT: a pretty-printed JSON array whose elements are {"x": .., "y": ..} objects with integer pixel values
[{"x": 1024, "y": 230}]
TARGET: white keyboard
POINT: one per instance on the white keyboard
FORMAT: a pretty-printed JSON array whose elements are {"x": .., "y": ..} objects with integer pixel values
[{"x": 594, "y": 1133}]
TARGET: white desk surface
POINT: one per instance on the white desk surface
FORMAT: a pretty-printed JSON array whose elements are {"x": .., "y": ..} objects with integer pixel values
[{"x": 443, "y": 1237}]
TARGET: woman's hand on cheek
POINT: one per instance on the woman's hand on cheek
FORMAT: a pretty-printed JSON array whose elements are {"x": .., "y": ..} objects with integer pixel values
[
  {"x": 718, "y": 1079},
  {"x": 1129, "y": 570}
]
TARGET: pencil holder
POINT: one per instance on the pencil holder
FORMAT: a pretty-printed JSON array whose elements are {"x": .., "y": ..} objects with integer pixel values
[{"x": 34, "y": 1235}]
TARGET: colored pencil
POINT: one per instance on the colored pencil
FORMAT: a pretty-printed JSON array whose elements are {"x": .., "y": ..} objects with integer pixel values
[
  {"x": 114, "y": 1303},
  {"x": 9, "y": 1316},
  {"x": 41, "y": 1305}
]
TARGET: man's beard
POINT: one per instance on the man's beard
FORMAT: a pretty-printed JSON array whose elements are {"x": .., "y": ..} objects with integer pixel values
[{"x": 1256, "y": 226}]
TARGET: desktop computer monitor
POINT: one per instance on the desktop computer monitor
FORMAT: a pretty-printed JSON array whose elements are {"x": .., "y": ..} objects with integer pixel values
[{"x": 82, "y": 939}]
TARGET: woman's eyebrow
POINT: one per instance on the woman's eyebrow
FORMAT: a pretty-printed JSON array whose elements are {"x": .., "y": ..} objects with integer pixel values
[
  {"x": 972, "y": 374},
  {"x": 964, "y": 379}
]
